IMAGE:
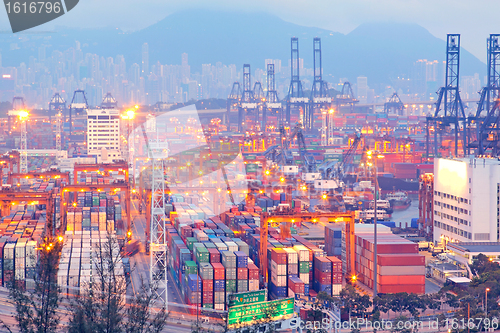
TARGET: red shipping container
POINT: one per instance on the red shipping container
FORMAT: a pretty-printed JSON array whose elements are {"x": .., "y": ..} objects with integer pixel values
[
  {"x": 400, "y": 260},
  {"x": 253, "y": 272},
  {"x": 336, "y": 263},
  {"x": 399, "y": 288},
  {"x": 214, "y": 255},
  {"x": 207, "y": 285},
  {"x": 219, "y": 271},
  {"x": 336, "y": 278},
  {"x": 401, "y": 279},
  {"x": 278, "y": 256},
  {"x": 298, "y": 288},
  {"x": 323, "y": 277},
  {"x": 242, "y": 273},
  {"x": 208, "y": 297}
]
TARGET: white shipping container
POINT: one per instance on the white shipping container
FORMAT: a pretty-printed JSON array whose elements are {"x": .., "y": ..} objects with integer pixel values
[
  {"x": 304, "y": 277},
  {"x": 278, "y": 269},
  {"x": 336, "y": 289},
  {"x": 20, "y": 274},
  {"x": 8, "y": 251},
  {"x": 401, "y": 270},
  {"x": 20, "y": 250},
  {"x": 253, "y": 285},
  {"x": 292, "y": 256},
  {"x": 31, "y": 254},
  {"x": 221, "y": 246},
  {"x": 291, "y": 293},
  {"x": 302, "y": 251},
  {"x": 62, "y": 279},
  {"x": 232, "y": 246},
  {"x": 279, "y": 280},
  {"x": 219, "y": 306}
]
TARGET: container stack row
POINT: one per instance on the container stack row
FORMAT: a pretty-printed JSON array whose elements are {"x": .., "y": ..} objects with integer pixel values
[
  {"x": 98, "y": 178},
  {"x": 93, "y": 211},
  {"x": 333, "y": 240},
  {"x": 399, "y": 266},
  {"x": 79, "y": 260},
  {"x": 207, "y": 264}
]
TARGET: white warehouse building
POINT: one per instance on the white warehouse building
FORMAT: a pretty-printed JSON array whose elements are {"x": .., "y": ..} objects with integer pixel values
[
  {"x": 466, "y": 199},
  {"x": 103, "y": 134}
]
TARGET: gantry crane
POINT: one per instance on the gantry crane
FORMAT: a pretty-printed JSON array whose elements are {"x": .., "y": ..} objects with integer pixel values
[
  {"x": 78, "y": 104},
  {"x": 452, "y": 112},
  {"x": 273, "y": 104},
  {"x": 57, "y": 104},
  {"x": 233, "y": 102},
  {"x": 284, "y": 219},
  {"x": 346, "y": 98},
  {"x": 337, "y": 169},
  {"x": 296, "y": 98},
  {"x": 394, "y": 105},
  {"x": 320, "y": 99},
  {"x": 487, "y": 118}
]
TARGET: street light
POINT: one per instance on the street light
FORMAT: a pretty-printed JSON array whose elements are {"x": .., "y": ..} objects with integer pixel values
[
  {"x": 375, "y": 164},
  {"x": 486, "y": 305}
]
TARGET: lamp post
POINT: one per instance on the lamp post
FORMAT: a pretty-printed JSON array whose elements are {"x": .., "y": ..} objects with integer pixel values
[
  {"x": 486, "y": 305},
  {"x": 375, "y": 218}
]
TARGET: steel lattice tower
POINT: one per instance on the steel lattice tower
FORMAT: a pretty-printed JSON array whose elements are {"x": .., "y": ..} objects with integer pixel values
[
  {"x": 449, "y": 95},
  {"x": 158, "y": 243},
  {"x": 487, "y": 118},
  {"x": 295, "y": 91}
]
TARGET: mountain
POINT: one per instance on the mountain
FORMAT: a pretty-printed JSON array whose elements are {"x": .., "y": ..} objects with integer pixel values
[{"x": 380, "y": 51}]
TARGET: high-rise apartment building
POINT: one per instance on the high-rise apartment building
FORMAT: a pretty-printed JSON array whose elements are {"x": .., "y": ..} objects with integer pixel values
[
  {"x": 103, "y": 134},
  {"x": 145, "y": 60},
  {"x": 362, "y": 89}
]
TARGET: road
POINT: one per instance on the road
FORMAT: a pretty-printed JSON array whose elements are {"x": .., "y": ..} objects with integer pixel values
[{"x": 141, "y": 262}]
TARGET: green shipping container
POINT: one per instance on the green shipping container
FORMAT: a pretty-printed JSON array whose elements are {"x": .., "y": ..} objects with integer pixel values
[
  {"x": 304, "y": 267},
  {"x": 242, "y": 285},
  {"x": 208, "y": 306},
  {"x": 191, "y": 268},
  {"x": 202, "y": 254},
  {"x": 231, "y": 286},
  {"x": 189, "y": 242}
]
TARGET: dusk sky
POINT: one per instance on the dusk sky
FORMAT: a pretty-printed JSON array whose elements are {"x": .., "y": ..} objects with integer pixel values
[{"x": 475, "y": 20}]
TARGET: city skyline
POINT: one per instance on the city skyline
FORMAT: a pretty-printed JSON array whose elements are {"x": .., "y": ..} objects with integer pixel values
[{"x": 470, "y": 21}]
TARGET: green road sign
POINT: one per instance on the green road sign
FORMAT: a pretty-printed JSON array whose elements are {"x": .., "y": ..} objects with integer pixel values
[
  {"x": 251, "y": 313},
  {"x": 248, "y": 297}
]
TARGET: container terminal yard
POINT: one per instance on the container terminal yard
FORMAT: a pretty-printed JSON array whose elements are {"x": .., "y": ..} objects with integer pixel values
[{"x": 267, "y": 200}]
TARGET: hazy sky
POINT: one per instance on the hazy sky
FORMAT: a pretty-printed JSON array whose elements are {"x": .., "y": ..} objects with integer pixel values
[{"x": 474, "y": 19}]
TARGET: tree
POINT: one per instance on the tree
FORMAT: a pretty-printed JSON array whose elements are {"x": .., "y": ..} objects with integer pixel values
[
  {"x": 139, "y": 317},
  {"x": 36, "y": 310},
  {"x": 400, "y": 328},
  {"x": 102, "y": 307}
]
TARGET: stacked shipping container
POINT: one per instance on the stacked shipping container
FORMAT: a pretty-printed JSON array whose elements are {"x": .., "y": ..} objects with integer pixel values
[{"x": 399, "y": 266}]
